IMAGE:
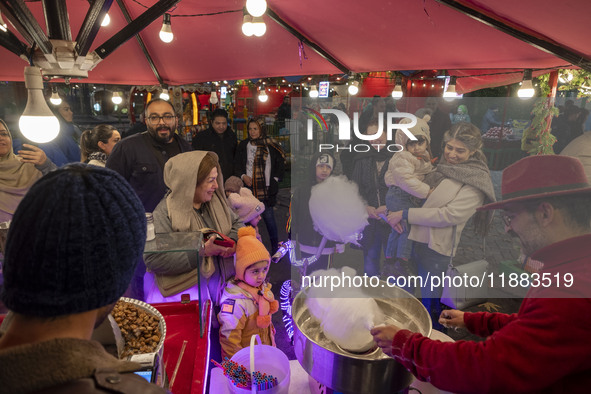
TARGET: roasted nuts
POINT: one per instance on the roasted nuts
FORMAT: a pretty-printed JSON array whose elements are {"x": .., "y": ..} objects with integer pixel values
[{"x": 139, "y": 328}]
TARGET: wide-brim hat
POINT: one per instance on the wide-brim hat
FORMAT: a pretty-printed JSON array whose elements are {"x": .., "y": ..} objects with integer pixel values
[{"x": 541, "y": 176}]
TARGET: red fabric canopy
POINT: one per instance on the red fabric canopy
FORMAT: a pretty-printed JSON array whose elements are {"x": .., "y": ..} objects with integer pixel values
[{"x": 373, "y": 35}]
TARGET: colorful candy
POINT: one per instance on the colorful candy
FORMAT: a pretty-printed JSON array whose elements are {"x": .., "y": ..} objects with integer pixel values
[{"x": 241, "y": 378}]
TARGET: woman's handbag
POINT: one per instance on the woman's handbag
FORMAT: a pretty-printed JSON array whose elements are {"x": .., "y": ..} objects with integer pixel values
[{"x": 469, "y": 292}]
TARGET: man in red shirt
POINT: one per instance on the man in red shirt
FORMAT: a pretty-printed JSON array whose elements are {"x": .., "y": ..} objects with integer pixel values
[{"x": 545, "y": 347}]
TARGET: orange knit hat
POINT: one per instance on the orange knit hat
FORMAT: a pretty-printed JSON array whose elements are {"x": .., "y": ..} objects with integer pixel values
[{"x": 249, "y": 250}]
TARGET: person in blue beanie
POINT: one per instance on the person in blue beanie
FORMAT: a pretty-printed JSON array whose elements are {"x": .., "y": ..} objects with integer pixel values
[{"x": 71, "y": 251}]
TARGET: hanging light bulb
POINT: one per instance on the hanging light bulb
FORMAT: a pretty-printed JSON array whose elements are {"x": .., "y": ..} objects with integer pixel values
[
  {"x": 247, "y": 28},
  {"x": 256, "y": 7},
  {"x": 313, "y": 91},
  {"x": 397, "y": 92},
  {"x": 166, "y": 31},
  {"x": 3, "y": 25},
  {"x": 450, "y": 92},
  {"x": 213, "y": 98},
  {"x": 259, "y": 28},
  {"x": 164, "y": 94},
  {"x": 117, "y": 99},
  {"x": 37, "y": 123},
  {"x": 527, "y": 88},
  {"x": 263, "y": 96},
  {"x": 353, "y": 88},
  {"x": 106, "y": 20},
  {"x": 55, "y": 98}
]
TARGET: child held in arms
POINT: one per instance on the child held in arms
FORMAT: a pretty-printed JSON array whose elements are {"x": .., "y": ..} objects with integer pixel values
[
  {"x": 247, "y": 302},
  {"x": 406, "y": 171}
]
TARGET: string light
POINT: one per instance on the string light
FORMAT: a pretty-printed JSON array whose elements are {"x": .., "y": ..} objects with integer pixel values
[
  {"x": 256, "y": 7},
  {"x": 37, "y": 123},
  {"x": 527, "y": 88},
  {"x": 166, "y": 31},
  {"x": 55, "y": 98},
  {"x": 106, "y": 20}
]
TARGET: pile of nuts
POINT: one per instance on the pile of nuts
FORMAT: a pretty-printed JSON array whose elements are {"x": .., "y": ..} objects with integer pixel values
[{"x": 139, "y": 328}]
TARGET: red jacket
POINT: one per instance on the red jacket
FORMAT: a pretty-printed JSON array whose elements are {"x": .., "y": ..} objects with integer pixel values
[{"x": 545, "y": 347}]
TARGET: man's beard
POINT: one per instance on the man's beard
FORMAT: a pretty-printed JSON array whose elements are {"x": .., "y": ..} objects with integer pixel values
[{"x": 154, "y": 132}]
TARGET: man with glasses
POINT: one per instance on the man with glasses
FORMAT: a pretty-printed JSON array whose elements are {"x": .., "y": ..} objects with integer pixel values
[
  {"x": 140, "y": 159},
  {"x": 545, "y": 347}
]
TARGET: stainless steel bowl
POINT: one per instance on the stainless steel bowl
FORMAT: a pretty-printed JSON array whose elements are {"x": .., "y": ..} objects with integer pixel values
[{"x": 343, "y": 371}]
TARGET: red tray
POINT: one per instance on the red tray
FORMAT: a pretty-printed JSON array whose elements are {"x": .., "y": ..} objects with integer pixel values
[{"x": 182, "y": 329}]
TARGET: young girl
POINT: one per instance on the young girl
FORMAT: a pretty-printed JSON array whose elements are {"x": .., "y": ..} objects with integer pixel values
[
  {"x": 404, "y": 177},
  {"x": 247, "y": 302},
  {"x": 247, "y": 207}
]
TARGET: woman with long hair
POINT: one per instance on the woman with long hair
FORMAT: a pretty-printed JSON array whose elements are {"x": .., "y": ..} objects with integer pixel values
[
  {"x": 96, "y": 144},
  {"x": 461, "y": 184},
  {"x": 260, "y": 163}
]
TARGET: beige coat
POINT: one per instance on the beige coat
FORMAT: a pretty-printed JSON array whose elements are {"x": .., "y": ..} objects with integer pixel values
[
  {"x": 451, "y": 203},
  {"x": 407, "y": 172}
]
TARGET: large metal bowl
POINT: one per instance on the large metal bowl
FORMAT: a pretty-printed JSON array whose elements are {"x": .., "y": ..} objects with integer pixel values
[{"x": 343, "y": 371}]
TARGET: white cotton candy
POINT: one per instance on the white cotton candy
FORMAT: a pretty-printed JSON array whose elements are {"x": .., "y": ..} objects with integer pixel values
[
  {"x": 337, "y": 209},
  {"x": 345, "y": 313}
]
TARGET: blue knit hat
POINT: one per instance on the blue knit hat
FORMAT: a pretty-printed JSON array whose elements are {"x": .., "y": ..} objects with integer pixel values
[{"x": 74, "y": 242}]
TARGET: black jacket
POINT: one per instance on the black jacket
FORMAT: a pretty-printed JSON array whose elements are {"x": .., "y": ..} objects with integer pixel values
[
  {"x": 224, "y": 147},
  {"x": 135, "y": 158}
]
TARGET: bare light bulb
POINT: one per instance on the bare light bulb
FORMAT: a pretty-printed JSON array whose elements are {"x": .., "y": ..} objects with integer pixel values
[
  {"x": 397, "y": 92},
  {"x": 263, "y": 96},
  {"x": 247, "y": 28},
  {"x": 213, "y": 97},
  {"x": 164, "y": 95},
  {"x": 353, "y": 88},
  {"x": 55, "y": 98},
  {"x": 256, "y": 7},
  {"x": 526, "y": 90},
  {"x": 3, "y": 25},
  {"x": 117, "y": 99},
  {"x": 106, "y": 20},
  {"x": 37, "y": 123},
  {"x": 166, "y": 31},
  {"x": 259, "y": 28},
  {"x": 313, "y": 91}
]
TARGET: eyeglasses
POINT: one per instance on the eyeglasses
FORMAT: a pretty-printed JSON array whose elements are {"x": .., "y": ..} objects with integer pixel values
[{"x": 155, "y": 119}]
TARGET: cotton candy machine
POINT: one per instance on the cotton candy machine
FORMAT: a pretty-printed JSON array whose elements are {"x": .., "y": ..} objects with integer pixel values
[{"x": 347, "y": 372}]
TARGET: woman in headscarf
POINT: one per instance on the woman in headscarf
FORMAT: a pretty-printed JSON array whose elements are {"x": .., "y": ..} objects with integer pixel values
[
  {"x": 18, "y": 172},
  {"x": 461, "y": 184},
  {"x": 260, "y": 163},
  {"x": 195, "y": 201},
  {"x": 97, "y": 143}
]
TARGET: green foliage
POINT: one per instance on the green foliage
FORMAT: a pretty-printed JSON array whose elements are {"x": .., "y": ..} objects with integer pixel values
[{"x": 538, "y": 139}]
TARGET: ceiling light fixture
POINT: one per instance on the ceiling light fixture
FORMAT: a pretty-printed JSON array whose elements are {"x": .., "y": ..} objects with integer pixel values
[
  {"x": 3, "y": 25},
  {"x": 106, "y": 20},
  {"x": 37, "y": 123},
  {"x": 450, "y": 92},
  {"x": 527, "y": 88},
  {"x": 117, "y": 99},
  {"x": 263, "y": 96},
  {"x": 259, "y": 28},
  {"x": 353, "y": 88},
  {"x": 166, "y": 31},
  {"x": 256, "y": 7},
  {"x": 55, "y": 98},
  {"x": 397, "y": 92}
]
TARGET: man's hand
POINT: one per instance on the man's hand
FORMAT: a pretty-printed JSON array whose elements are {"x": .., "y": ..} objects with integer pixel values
[
  {"x": 32, "y": 155},
  {"x": 452, "y": 318},
  {"x": 383, "y": 337}
]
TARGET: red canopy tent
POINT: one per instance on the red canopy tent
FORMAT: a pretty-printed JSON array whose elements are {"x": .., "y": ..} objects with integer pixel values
[{"x": 373, "y": 35}]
